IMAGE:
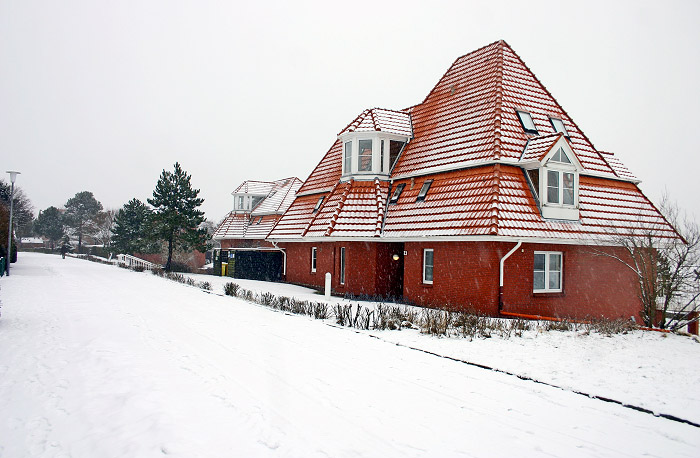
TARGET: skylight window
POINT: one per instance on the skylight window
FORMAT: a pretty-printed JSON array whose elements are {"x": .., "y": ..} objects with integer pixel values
[
  {"x": 527, "y": 122},
  {"x": 397, "y": 193},
  {"x": 424, "y": 190},
  {"x": 318, "y": 204},
  {"x": 558, "y": 125}
]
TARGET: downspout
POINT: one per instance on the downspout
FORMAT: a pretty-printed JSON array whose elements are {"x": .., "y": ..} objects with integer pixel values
[
  {"x": 284, "y": 257},
  {"x": 500, "y": 278}
]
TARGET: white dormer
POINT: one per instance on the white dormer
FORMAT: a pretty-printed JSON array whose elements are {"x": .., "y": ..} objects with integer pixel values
[
  {"x": 372, "y": 143},
  {"x": 555, "y": 179},
  {"x": 367, "y": 155},
  {"x": 246, "y": 202}
]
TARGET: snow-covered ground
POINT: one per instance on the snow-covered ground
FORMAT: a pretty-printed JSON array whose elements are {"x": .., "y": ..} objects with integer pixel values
[{"x": 100, "y": 361}]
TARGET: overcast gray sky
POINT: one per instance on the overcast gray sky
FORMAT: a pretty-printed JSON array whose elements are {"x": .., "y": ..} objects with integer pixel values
[{"x": 102, "y": 95}]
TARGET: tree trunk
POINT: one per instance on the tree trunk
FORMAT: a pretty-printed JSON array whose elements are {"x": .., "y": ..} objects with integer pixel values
[{"x": 170, "y": 253}]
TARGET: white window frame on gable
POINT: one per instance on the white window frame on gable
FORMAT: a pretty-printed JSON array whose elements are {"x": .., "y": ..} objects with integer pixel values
[
  {"x": 314, "y": 258},
  {"x": 548, "y": 272},
  {"x": 558, "y": 182}
]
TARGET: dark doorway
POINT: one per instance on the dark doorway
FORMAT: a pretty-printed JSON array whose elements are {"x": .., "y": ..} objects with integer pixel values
[
  {"x": 392, "y": 261},
  {"x": 259, "y": 265}
]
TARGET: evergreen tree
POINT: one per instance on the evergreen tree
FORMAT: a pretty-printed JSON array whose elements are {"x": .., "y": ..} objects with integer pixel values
[
  {"x": 49, "y": 224},
  {"x": 131, "y": 228},
  {"x": 81, "y": 212},
  {"x": 176, "y": 219}
]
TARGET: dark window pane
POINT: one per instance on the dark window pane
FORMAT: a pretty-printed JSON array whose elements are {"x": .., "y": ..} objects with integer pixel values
[
  {"x": 539, "y": 262},
  {"x": 365, "y": 156},
  {"x": 538, "y": 281}
]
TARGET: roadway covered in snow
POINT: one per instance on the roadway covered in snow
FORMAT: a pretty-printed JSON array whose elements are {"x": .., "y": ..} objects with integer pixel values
[{"x": 100, "y": 361}]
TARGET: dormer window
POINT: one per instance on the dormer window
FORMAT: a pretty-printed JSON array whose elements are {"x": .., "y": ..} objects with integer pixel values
[
  {"x": 367, "y": 155},
  {"x": 559, "y": 127},
  {"x": 555, "y": 181},
  {"x": 527, "y": 122},
  {"x": 397, "y": 193},
  {"x": 424, "y": 190}
]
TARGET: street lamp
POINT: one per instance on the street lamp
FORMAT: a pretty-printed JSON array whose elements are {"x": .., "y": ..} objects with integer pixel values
[{"x": 13, "y": 177}]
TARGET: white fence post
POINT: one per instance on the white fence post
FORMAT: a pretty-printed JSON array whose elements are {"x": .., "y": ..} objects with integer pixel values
[{"x": 328, "y": 286}]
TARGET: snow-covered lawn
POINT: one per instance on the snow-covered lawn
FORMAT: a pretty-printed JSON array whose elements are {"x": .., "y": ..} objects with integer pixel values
[{"x": 97, "y": 361}]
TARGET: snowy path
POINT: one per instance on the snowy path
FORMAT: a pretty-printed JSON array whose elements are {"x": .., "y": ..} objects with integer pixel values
[{"x": 99, "y": 361}]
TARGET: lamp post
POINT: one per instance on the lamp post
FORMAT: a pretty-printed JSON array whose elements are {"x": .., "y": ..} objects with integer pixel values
[{"x": 13, "y": 177}]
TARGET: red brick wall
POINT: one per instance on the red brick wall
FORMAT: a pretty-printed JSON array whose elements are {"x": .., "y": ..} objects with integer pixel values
[
  {"x": 593, "y": 284},
  {"x": 360, "y": 267},
  {"x": 466, "y": 276}
]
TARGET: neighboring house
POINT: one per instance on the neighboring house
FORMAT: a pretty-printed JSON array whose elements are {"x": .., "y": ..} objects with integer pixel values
[
  {"x": 484, "y": 196},
  {"x": 244, "y": 252},
  {"x": 33, "y": 242}
]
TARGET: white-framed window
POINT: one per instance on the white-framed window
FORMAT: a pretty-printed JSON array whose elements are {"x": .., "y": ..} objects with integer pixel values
[
  {"x": 561, "y": 187},
  {"x": 547, "y": 272},
  {"x": 342, "y": 265},
  {"x": 428, "y": 266},
  {"x": 314, "y": 253},
  {"x": 364, "y": 158},
  {"x": 527, "y": 122},
  {"x": 347, "y": 158}
]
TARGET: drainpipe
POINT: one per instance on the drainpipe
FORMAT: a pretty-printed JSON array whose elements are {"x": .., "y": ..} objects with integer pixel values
[
  {"x": 284, "y": 257},
  {"x": 500, "y": 279}
]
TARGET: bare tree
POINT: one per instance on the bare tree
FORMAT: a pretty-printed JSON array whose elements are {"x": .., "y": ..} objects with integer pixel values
[{"x": 664, "y": 254}]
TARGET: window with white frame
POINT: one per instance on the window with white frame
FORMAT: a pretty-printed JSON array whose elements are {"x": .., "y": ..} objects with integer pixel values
[
  {"x": 347, "y": 160},
  {"x": 313, "y": 259},
  {"x": 364, "y": 156},
  {"x": 428, "y": 266},
  {"x": 547, "y": 272},
  {"x": 342, "y": 265},
  {"x": 561, "y": 187}
]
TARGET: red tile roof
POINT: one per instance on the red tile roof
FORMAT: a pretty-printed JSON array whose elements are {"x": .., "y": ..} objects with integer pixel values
[
  {"x": 279, "y": 195},
  {"x": 382, "y": 120},
  {"x": 468, "y": 138}
]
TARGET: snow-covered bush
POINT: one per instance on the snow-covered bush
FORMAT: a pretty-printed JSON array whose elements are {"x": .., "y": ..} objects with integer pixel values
[{"x": 231, "y": 289}]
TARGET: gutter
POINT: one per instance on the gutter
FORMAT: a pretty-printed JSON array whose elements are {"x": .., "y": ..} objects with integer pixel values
[
  {"x": 284, "y": 257},
  {"x": 500, "y": 272}
]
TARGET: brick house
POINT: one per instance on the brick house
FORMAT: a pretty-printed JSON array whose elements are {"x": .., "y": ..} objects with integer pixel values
[
  {"x": 244, "y": 252},
  {"x": 486, "y": 195}
]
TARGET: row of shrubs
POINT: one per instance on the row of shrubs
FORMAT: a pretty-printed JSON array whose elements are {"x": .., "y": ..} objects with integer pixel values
[
  {"x": 438, "y": 322},
  {"x": 467, "y": 324}
]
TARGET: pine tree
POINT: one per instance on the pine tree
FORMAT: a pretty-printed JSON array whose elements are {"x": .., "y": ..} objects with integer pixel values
[
  {"x": 49, "y": 224},
  {"x": 81, "y": 211},
  {"x": 176, "y": 219},
  {"x": 131, "y": 228}
]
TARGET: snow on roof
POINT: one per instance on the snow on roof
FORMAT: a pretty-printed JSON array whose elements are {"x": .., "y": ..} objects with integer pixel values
[
  {"x": 538, "y": 147},
  {"x": 382, "y": 120},
  {"x": 257, "y": 224},
  {"x": 467, "y": 123}
]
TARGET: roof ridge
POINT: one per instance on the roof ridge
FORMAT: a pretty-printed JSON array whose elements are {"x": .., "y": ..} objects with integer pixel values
[
  {"x": 380, "y": 208},
  {"x": 339, "y": 208},
  {"x": 498, "y": 103},
  {"x": 315, "y": 215},
  {"x": 495, "y": 192}
]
